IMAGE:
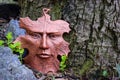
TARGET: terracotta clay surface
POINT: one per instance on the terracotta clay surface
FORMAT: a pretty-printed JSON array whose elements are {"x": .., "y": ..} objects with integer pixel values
[{"x": 44, "y": 42}]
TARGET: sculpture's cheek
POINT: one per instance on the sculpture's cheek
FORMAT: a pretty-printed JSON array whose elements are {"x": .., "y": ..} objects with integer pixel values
[{"x": 57, "y": 41}]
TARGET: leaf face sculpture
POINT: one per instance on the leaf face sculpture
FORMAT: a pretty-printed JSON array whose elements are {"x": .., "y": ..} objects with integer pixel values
[{"x": 44, "y": 41}]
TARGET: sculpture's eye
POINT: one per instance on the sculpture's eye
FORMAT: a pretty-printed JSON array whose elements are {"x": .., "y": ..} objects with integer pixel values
[
  {"x": 35, "y": 35},
  {"x": 53, "y": 36}
]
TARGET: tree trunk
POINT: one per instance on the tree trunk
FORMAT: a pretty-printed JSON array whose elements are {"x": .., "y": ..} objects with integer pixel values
[
  {"x": 33, "y": 8},
  {"x": 95, "y": 31}
]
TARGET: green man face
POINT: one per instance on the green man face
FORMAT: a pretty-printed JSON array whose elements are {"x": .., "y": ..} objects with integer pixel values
[{"x": 44, "y": 42}]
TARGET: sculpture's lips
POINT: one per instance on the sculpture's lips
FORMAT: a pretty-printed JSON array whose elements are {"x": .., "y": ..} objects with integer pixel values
[{"x": 43, "y": 55}]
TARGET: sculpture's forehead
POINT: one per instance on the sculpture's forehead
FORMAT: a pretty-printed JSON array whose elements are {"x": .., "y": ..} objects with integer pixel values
[
  {"x": 44, "y": 24},
  {"x": 44, "y": 27}
]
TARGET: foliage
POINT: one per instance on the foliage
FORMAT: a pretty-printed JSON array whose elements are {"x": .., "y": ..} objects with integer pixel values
[
  {"x": 16, "y": 47},
  {"x": 1, "y": 42},
  {"x": 63, "y": 62},
  {"x": 9, "y": 38}
]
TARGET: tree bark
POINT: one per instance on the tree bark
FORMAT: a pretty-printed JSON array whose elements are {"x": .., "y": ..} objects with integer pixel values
[
  {"x": 33, "y": 8},
  {"x": 95, "y": 31}
]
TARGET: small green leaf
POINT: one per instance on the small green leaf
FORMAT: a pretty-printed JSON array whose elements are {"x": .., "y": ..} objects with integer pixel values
[
  {"x": 63, "y": 62},
  {"x": 105, "y": 73},
  {"x": 1, "y": 42},
  {"x": 21, "y": 51},
  {"x": 17, "y": 44},
  {"x": 64, "y": 57},
  {"x": 12, "y": 46},
  {"x": 9, "y": 36}
]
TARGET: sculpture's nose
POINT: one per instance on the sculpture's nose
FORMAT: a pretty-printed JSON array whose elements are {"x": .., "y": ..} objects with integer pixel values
[{"x": 43, "y": 44}]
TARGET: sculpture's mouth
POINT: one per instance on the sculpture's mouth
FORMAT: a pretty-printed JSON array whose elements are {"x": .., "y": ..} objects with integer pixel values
[{"x": 43, "y": 55}]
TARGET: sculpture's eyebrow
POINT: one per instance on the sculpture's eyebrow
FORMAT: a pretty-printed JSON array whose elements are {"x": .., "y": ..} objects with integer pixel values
[
  {"x": 47, "y": 32},
  {"x": 54, "y": 33}
]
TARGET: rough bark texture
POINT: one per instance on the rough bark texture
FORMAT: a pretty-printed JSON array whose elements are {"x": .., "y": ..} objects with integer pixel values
[
  {"x": 95, "y": 35},
  {"x": 33, "y": 8}
]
